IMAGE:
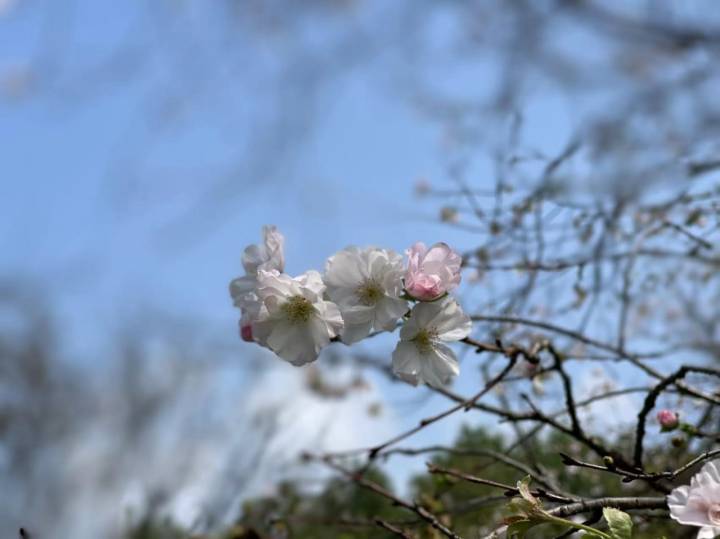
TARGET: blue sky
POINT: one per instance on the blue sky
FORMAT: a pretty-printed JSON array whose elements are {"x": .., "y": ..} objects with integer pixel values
[{"x": 67, "y": 225}]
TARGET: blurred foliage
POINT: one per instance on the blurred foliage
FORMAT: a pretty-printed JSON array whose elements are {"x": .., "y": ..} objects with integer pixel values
[{"x": 345, "y": 510}]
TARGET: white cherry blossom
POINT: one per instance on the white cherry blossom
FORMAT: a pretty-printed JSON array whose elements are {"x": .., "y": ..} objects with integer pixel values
[
  {"x": 268, "y": 256},
  {"x": 295, "y": 321},
  {"x": 366, "y": 284},
  {"x": 421, "y": 355}
]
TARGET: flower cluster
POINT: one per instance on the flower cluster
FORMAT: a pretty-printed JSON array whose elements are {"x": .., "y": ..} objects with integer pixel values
[{"x": 362, "y": 291}]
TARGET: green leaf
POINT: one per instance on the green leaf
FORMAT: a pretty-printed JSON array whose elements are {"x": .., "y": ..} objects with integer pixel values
[
  {"x": 524, "y": 489},
  {"x": 620, "y": 523}
]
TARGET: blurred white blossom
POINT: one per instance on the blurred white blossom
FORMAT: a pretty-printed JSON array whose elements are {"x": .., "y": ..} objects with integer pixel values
[{"x": 699, "y": 503}]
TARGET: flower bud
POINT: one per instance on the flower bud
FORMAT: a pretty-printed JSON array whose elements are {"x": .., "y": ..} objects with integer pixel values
[
  {"x": 431, "y": 272},
  {"x": 246, "y": 332},
  {"x": 668, "y": 420}
]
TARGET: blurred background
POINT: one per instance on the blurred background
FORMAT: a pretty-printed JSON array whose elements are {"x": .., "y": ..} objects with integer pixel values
[{"x": 144, "y": 144}]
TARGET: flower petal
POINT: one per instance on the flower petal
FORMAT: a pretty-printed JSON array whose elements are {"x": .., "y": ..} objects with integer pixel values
[
  {"x": 345, "y": 269},
  {"x": 686, "y": 508},
  {"x": 388, "y": 311},
  {"x": 439, "y": 366},
  {"x": 708, "y": 532},
  {"x": 406, "y": 363},
  {"x": 451, "y": 322},
  {"x": 240, "y": 287},
  {"x": 353, "y": 333}
]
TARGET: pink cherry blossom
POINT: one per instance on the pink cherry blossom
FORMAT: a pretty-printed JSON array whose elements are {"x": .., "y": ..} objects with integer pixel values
[
  {"x": 431, "y": 272},
  {"x": 668, "y": 419}
]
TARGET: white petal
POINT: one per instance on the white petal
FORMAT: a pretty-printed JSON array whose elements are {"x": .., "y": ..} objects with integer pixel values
[
  {"x": 330, "y": 314},
  {"x": 268, "y": 256},
  {"x": 406, "y": 362},
  {"x": 240, "y": 287},
  {"x": 344, "y": 297},
  {"x": 703, "y": 485},
  {"x": 712, "y": 470},
  {"x": 444, "y": 316},
  {"x": 708, "y": 532},
  {"x": 436, "y": 367},
  {"x": 358, "y": 314},
  {"x": 376, "y": 262},
  {"x": 388, "y": 311},
  {"x": 452, "y": 323},
  {"x": 424, "y": 313},
  {"x": 273, "y": 283},
  {"x": 345, "y": 269},
  {"x": 386, "y": 261},
  {"x": 274, "y": 246},
  {"x": 353, "y": 333},
  {"x": 679, "y": 495},
  {"x": 319, "y": 332},
  {"x": 410, "y": 327},
  {"x": 392, "y": 281},
  {"x": 686, "y": 508},
  {"x": 312, "y": 284},
  {"x": 440, "y": 366},
  {"x": 296, "y": 345},
  {"x": 279, "y": 335},
  {"x": 253, "y": 256}
]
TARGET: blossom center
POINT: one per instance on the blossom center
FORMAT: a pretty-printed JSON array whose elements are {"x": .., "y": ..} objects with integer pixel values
[
  {"x": 425, "y": 339},
  {"x": 369, "y": 293},
  {"x": 714, "y": 513},
  {"x": 297, "y": 309}
]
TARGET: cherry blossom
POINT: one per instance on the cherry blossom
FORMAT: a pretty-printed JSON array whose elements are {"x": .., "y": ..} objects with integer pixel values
[
  {"x": 296, "y": 322},
  {"x": 421, "y": 355},
  {"x": 268, "y": 256},
  {"x": 367, "y": 285},
  {"x": 432, "y": 272}
]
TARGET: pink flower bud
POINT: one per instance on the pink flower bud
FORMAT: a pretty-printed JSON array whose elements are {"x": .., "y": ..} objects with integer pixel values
[
  {"x": 431, "y": 272},
  {"x": 668, "y": 419},
  {"x": 246, "y": 332}
]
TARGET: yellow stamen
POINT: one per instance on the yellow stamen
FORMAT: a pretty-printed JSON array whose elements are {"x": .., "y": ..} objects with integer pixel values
[
  {"x": 369, "y": 293},
  {"x": 297, "y": 309},
  {"x": 424, "y": 340}
]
